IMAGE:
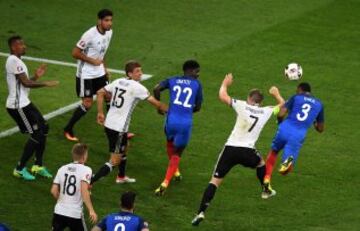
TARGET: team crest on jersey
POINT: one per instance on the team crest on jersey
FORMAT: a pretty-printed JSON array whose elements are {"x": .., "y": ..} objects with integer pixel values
[
  {"x": 82, "y": 43},
  {"x": 19, "y": 68},
  {"x": 88, "y": 176},
  {"x": 87, "y": 92}
]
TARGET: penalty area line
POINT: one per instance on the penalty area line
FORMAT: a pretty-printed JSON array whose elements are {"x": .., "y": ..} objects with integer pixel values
[{"x": 61, "y": 110}]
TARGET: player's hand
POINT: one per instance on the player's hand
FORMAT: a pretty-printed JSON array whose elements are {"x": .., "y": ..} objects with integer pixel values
[
  {"x": 228, "y": 80},
  {"x": 160, "y": 112},
  {"x": 93, "y": 217},
  {"x": 52, "y": 83},
  {"x": 97, "y": 62},
  {"x": 100, "y": 118},
  {"x": 163, "y": 109},
  {"x": 273, "y": 90},
  {"x": 40, "y": 71}
]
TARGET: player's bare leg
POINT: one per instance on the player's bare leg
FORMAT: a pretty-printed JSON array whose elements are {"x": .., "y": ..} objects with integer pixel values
[
  {"x": 79, "y": 112},
  {"x": 208, "y": 195}
]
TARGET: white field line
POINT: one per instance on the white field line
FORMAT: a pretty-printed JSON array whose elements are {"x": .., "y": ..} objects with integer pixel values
[
  {"x": 61, "y": 110},
  {"x": 61, "y": 63}
]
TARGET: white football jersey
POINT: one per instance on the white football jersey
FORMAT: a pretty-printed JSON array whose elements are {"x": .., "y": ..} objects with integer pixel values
[
  {"x": 69, "y": 179},
  {"x": 94, "y": 45},
  {"x": 18, "y": 94},
  {"x": 249, "y": 123},
  {"x": 125, "y": 94}
]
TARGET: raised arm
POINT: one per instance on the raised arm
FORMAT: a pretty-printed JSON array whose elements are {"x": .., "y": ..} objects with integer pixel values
[
  {"x": 274, "y": 91},
  {"x": 85, "y": 194},
  {"x": 223, "y": 94},
  {"x": 100, "y": 94}
]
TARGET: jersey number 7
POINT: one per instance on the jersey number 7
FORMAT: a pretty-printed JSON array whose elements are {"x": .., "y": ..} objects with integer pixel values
[{"x": 256, "y": 119}]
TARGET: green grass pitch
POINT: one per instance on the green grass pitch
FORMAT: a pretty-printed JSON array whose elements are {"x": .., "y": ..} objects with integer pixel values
[{"x": 252, "y": 39}]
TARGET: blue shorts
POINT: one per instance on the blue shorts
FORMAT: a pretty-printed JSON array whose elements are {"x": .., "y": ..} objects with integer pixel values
[
  {"x": 179, "y": 134},
  {"x": 288, "y": 140}
]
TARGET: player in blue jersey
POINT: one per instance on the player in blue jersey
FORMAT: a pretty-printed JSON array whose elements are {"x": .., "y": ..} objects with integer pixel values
[
  {"x": 185, "y": 93},
  {"x": 304, "y": 110},
  {"x": 125, "y": 219}
]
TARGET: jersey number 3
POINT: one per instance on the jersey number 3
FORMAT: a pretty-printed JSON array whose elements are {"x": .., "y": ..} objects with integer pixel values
[
  {"x": 187, "y": 91},
  {"x": 305, "y": 112}
]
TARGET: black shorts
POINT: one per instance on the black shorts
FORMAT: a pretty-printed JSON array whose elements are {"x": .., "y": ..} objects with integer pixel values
[
  {"x": 28, "y": 118},
  {"x": 231, "y": 156},
  {"x": 117, "y": 141},
  {"x": 61, "y": 222},
  {"x": 89, "y": 87}
]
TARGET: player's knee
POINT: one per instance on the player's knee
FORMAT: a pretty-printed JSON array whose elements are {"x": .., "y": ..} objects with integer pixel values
[
  {"x": 115, "y": 160},
  {"x": 261, "y": 163},
  {"x": 38, "y": 136},
  {"x": 87, "y": 102},
  {"x": 216, "y": 181}
]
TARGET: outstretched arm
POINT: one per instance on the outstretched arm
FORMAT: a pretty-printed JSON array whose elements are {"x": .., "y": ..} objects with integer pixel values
[
  {"x": 33, "y": 83},
  {"x": 223, "y": 94},
  {"x": 157, "y": 104}
]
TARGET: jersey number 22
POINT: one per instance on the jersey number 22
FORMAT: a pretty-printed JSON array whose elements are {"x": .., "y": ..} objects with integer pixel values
[{"x": 179, "y": 90}]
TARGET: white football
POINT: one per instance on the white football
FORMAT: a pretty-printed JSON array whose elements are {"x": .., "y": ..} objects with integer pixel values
[{"x": 293, "y": 71}]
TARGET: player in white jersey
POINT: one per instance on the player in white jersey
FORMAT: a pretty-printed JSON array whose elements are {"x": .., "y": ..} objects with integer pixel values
[
  {"x": 91, "y": 74},
  {"x": 240, "y": 146},
  {"x": 23, "y": 111},
  {"x": 71, "y": 189},
  {"x": 125, "y": 94}
]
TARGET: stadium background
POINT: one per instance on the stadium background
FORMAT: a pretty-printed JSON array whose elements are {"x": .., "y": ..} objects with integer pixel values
[{"x": 252, "y": 39}]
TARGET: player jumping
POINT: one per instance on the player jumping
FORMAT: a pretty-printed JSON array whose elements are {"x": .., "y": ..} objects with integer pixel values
[
  {"x": 185, "y": 99},
  {"x": 125, "y": 94},
  {"x": 240, "y": 146},
  {"x": 303, "y": 110}
]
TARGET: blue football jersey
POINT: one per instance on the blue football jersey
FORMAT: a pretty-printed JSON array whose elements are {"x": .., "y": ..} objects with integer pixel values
[
  {"x": 122, "y": 221},
  {"x": 185, "y": 92},
  {"x": 303, "y": 110}
]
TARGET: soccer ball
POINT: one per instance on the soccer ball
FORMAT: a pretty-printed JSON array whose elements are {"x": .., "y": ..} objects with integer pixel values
[{"x": 293, "y": 71}]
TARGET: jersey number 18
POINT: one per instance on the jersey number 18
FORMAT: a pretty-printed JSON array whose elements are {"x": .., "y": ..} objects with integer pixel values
[{"x": 69, "y": 186}]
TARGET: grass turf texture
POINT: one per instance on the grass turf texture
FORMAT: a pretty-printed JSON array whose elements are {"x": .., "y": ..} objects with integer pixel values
[{"x": 252, "y": 39}]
